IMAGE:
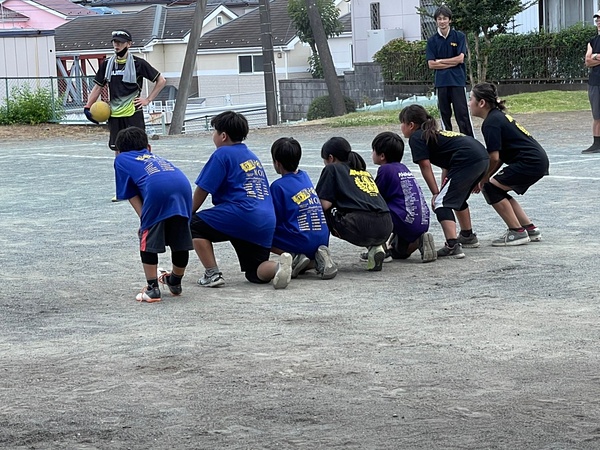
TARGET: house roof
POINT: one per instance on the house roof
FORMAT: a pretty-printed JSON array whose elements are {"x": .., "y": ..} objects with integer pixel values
[
  {"x": 227, "y": 3},
  {"x": 146, "y": 26},
  {"x": 245, "y": 30},
  {"x": 66, "y": 8},
  {"x": 7, "y": 14}
]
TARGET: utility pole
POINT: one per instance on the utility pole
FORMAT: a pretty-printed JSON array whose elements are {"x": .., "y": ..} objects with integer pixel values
[
  {"x": 268, "y": 62},
  {"x": 331, "y": 79},
  {"x": 187, "y": 72}
]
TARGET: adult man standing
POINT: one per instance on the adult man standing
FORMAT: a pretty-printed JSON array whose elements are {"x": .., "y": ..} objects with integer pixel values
[
  {"x": 592, "y": 60},
  {"x": 124, "y": 74},
  {"x": 445, "y": 54}
]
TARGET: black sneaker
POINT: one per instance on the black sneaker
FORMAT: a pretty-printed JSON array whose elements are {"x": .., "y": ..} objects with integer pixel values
[
  {"x": 591, "y": 149},
  {"x": 468, "y": 241},
  {"x": 149, "y": 295},
  {"x": 164, "y": 277},
  {"x": 451, "y": 252}
]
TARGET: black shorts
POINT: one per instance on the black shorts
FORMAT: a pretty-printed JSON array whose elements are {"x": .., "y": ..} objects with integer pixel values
[
  {"x": 116, "y": 124},
  {"x": 594, "y": 97},
  {"x": 399, "y": 248},
  {"x": 459, "y": 184},
  {"x": 361, "y": 228},
  {"x": 174, "y": 232},
  {"x": 519, "y": 177},
  {"x": 249, "y": 255}
]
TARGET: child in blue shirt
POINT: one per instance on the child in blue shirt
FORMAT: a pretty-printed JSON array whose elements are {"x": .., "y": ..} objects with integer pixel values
[
  {"x": 408, "y": 208},
  {"x": 162, "y": 197},
  {"x": 301, "y": 227},
  {"x": 242, "y": 211}
]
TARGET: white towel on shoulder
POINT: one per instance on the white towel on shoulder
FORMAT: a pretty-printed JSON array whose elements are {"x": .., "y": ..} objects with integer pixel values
[{"x": 128, "y": 71}]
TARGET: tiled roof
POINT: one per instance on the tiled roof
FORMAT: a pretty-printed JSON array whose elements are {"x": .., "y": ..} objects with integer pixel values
[
  {"x": 245, "y": 30},
  {"x": 66, "y": 7},
  {"x": 228, "y": 3},
  {"x": 154, "y": 22}
]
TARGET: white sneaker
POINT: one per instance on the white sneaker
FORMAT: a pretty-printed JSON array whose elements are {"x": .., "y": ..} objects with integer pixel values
[
  {"x": 283, "y": 275},
  {"x": 326, "y": 268}
]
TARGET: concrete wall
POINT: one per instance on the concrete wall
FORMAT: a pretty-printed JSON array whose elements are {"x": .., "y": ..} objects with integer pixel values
[{"x": 364, "y": 84}]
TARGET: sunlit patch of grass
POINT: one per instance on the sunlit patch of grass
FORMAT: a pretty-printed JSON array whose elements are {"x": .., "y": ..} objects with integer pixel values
[{"x": 536, "y": 102}]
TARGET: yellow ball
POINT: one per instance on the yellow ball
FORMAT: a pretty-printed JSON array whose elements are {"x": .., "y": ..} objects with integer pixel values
[{"x": 100, "y": 111}]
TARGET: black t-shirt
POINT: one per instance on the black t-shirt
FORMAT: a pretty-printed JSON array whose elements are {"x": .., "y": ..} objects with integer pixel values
[
  {"x": 350, "y": 190},
  {"x": 450, "y": 151},
  {"x": 513, "y": 142},
  {"x": 594, "y": 79}
]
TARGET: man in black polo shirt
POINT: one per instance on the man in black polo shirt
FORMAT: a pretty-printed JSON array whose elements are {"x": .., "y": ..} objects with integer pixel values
[
  {"x": 592, "y": 60},
  {"x": 445, "y": 54}
]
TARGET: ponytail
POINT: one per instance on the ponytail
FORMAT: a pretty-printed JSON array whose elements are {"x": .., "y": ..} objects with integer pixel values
[
  {"x": 420, "y": 117},
  {"x": 488, "y": 93}
]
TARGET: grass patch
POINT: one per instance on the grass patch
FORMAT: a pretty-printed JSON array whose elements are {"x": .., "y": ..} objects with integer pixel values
[{"x": 528, "y": 103}]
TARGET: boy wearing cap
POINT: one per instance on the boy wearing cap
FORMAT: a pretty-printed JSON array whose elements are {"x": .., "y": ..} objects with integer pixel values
[
  {"x": 124, "y": 74},
  {"x": 592, "y": 60}
]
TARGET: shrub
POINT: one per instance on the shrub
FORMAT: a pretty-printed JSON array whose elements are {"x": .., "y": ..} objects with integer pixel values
[
  {"x": 321, "y": 107},
  {"x": 25, "y": 106},
  {"x": 404, "y": 61}
]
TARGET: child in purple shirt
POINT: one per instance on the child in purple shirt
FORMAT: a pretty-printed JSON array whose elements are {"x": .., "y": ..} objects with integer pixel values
[{"x": 408, "y": 208}]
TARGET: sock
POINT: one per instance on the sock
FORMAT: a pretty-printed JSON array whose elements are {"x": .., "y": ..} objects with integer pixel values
[
  {"x": 530, "y": 226},
  {"x": 596, "y": 141},
  {"x": 153, "y": 283},
  {"x": 175, "y": 280},
  {"x": 452, "y": 242},
  {"x": 210, "y": 271},
  {"x": 518, "y": 230},
  {"x": 466, "y": 233}
]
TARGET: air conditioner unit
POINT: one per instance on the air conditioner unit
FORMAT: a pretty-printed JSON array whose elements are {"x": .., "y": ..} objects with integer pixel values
[{"x": 378, "y": 38}]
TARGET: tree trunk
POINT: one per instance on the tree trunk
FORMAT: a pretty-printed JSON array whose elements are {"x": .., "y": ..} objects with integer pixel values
[
  {"x": 187, "y": 72},
  {"x": 333, "y": 84},
  {"x": 268, "y": 63}
]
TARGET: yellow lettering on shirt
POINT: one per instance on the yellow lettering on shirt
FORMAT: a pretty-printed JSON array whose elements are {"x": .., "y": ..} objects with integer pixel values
[
  {"x": 365, "y": 182},
  {"x": 518, "y": 125},
  {"x": 450, "y": 134}
]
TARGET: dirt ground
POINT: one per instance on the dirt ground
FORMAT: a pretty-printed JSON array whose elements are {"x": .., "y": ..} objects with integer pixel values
[{"x": 496, "y": 351}]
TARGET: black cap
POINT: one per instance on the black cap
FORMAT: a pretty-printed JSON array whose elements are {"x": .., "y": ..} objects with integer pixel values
[{"x": 121, "y": 36}]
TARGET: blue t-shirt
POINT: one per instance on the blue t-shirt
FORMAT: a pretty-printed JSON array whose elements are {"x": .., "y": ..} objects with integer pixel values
[
  {"x": 453, "y": 45},
  {"x": 243, "y": 207},
  {"x": 404, "y": 198},
  {"x": 164, "y": 189},
  {"x": 301, "y": 225}
]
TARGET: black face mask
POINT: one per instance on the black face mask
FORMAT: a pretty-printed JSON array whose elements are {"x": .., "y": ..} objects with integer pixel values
[{"x": 122, "y": 52}]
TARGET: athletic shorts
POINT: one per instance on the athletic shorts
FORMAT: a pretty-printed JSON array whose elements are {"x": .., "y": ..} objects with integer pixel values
[
  {"x": 249, "y": 255},
  {"x": 519, "y": 177},
  {"x": 459, "y": 184},
  {"x": 361, "y": 228},
  {"x": 174, "y": 232},
  {"x": 594, "y": 96},
  {"x": 116, "y": 124}
]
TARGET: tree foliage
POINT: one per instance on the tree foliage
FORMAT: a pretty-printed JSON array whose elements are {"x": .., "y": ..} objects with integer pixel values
[
  {"x": 331, "y": 23},
  {"x": 483, "y": 19}
]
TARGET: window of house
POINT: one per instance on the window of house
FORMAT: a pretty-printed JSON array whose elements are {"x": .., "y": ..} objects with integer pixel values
[
  {"x": 428, "y": 25},
  {"x": 561, "y": 14},
  {"x": 375, "y": 16},
  {"x": 250, "y": 63},
  {"x": 219, "y": 20}
]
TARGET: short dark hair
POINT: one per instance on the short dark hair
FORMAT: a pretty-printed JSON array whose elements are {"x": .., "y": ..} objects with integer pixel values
[
  {"x": 131, "y": 139},
  {"x": 390, "y": 145},
  {"x": 233, "y": 124},
  {"x": 442, "y": 11},
  {"x": 287, "y": 152}
]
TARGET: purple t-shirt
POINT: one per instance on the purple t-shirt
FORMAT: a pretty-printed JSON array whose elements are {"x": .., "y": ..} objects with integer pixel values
[{"x": 410, "y": 214}]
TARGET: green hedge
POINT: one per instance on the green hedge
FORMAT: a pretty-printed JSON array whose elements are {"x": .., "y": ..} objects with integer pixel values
[
  {"x": 539, "y": 56},
  {"x": 320, "y": 107}
]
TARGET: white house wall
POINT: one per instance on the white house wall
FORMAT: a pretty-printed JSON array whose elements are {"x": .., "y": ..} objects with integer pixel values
[{"x": 27, "y": 56}]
